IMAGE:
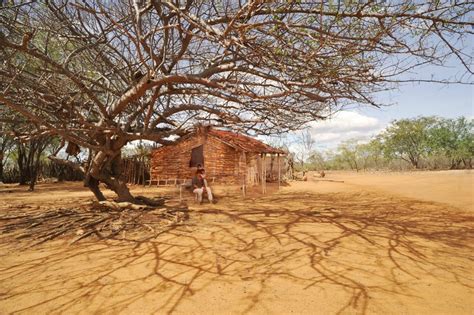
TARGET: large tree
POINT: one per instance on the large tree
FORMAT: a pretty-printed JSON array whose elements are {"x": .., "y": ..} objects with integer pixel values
[
  {"x": 103, "y": 73},
  {"x": 453, "y": 139},
  {"x": 408, "y": 139}
]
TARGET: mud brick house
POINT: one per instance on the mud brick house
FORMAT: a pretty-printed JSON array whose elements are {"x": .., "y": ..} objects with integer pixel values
[{"x": 227, "y": 157}]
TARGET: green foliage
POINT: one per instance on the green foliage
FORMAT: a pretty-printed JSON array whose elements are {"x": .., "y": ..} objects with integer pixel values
[
  {"x": 317, "y": 161},
  {"x": 408, "y": 139},
  {"x": 453, "y": 139},
  {"x": 375, "y": 153},
  {"x": 424, "y": 142},
  {"x": 349, "y": 152}
]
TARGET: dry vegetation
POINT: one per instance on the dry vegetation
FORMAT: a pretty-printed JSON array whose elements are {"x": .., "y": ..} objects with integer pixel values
[
  {"x": 92, "y": 77},
  {"x": 316, "y": 246},
  {"x": 81, "y": 219},
  {"x": 99, "y": 75}
]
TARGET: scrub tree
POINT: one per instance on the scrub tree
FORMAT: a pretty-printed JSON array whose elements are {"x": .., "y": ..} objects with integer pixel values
[{"x": 100, "y": 74}]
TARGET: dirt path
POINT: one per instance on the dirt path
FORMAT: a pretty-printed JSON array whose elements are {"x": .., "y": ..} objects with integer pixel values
[
  {"x": 314, "y": 247},
  {"x": 455, "y": 188}
]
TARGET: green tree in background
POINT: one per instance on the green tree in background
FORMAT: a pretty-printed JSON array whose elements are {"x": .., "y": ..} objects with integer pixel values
[
  {"x": 424, "y": 142},
  {"x": 349, "y": 152},
  {"x": 317, "y": 161},
  {"x": 408, "y": 139},
  {"x": 453, "y": 139},
  {"x": 375, "y": 151}
]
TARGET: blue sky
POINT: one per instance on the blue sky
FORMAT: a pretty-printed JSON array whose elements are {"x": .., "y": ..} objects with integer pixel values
[
  {"x": 409, "y": 100},
  {"x": 425, "y": 99}
]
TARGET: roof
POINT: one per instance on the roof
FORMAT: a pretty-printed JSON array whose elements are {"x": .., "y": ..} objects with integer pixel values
[
  {"x": 234, "y": 140},
  {"x": 244, "y": 143}
]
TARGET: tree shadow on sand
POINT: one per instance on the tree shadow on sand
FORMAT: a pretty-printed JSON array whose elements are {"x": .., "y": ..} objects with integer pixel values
[{"x": 357, "y": 248}]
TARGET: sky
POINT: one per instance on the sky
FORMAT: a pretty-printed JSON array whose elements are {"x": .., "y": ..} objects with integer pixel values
[{"x": 408, "y": 101}]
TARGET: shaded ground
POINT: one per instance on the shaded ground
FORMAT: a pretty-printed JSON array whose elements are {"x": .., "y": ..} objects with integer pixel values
[{"x": 314, "y": 247}]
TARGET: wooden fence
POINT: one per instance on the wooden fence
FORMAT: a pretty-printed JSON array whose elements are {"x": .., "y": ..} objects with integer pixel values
[{"x": 136, "y": 170}]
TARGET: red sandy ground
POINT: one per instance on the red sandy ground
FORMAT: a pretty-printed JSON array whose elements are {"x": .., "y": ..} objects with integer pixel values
[{"x": 395, "y": 243}]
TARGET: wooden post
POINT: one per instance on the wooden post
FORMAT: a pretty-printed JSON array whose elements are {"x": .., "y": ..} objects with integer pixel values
[
  {"x": 151, "y": 177},
  {"x": 136, "y": 172},
  {"x": 132, "y": 177},
  {"x": 127, "y": 170},
  {"x": 262, "y": 173},
  {"x": 238, "y": 172},
  {"x": 144, "y": 171},
  {"x": 244, "y": 188},
  {"x": 272, "y": 160},
  {"x": 265, "y": 172},
  {"x": 139, "y": 174},
  {"x": 133, "y": 172},
  {"x": 279, "y": 170}
]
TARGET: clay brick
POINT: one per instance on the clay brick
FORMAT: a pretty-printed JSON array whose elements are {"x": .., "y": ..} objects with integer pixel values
[{"x": 223, "y": 159}]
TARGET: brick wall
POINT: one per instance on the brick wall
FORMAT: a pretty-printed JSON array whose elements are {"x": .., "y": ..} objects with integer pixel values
[{"x": 220, "y": 160}]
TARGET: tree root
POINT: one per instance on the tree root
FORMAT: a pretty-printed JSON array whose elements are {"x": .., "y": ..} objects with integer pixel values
[{"x": 152, "y": 202}]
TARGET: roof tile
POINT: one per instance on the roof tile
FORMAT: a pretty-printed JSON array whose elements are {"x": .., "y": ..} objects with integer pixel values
[{"x": 243, "y": 142}]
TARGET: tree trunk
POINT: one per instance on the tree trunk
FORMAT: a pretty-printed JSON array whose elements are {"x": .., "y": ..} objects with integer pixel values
[
  {"x": 93, "y": 185},
  {"x": 35, "y": 165},
  {"x": 121, "y": 189},
  {"x": 22, "y": 165},
  {"x": 453, "y": 165},
  {"x": 107, "y": 169},
  {"x": 33, "y": 175},
  {"x": 467, "y": 163}
]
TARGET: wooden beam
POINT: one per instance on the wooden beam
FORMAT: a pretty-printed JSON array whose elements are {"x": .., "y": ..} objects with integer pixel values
[
  {"x": 263, "y": 173},
  {"x": 151, "y": 176},
  {"x": 143, "y": 172},
  {"x": 244, "y": 188},
  {"x": 279, "y": 170}
]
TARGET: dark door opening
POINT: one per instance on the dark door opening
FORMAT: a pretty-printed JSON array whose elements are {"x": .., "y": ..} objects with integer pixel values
[{"x": 197, "y": 156}]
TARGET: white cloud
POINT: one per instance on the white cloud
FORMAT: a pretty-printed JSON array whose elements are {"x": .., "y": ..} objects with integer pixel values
[
  {"x": 342, "y": 126},
  {"x": 329, "y": 133}
]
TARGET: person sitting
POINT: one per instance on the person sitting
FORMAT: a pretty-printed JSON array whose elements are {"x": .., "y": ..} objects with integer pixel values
[
  {"x": 200, "y": 185},
  {"x": 199, "y": 167}
]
